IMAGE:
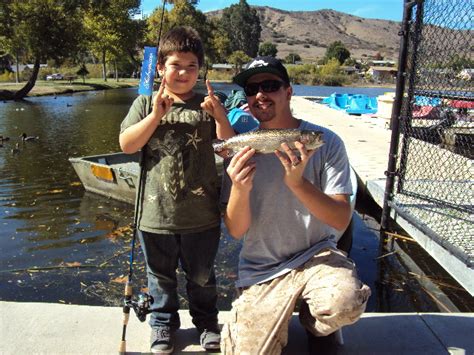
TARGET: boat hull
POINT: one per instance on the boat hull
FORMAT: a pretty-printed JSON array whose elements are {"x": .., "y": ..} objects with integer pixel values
[{"x": 113, "y": 175}]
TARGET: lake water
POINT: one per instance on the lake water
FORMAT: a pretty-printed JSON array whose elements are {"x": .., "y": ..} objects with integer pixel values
[{"x": 60, "y": 244}]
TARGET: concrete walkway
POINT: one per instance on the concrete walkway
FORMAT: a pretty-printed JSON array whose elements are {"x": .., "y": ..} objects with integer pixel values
[
  {"x": 366, "y": 138},
  {"x": 367, "y": 141},
  {"x": 43, "y": 328}
]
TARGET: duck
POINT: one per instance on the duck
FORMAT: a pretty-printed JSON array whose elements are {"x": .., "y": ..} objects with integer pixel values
[
  {"x": 4, "y": 139},
  {"x": 16, "y": 149},
  {"x": 26, "y": 138}
]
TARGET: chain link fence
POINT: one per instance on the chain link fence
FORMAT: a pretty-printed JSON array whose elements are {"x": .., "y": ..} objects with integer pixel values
[{"x": 434, "y": 178}]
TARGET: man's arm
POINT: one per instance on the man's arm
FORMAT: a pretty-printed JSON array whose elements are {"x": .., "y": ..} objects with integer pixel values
[
  {"x": 333, "y": 210},
  {"x": 241, "y": 171}
]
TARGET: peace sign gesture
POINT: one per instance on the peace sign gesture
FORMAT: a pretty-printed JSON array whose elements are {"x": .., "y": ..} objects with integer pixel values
[{"x": 161, "y": 102}]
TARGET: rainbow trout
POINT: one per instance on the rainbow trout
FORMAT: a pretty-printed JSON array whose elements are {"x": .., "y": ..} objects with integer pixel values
[{"x": 266, "y": 141}]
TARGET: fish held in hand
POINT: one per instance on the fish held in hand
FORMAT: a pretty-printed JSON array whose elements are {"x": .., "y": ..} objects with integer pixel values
[{"x": 266, "y": 141}]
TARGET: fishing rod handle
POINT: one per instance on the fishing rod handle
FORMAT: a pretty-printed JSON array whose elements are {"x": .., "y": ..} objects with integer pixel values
[{"x": 123, "y": 347}]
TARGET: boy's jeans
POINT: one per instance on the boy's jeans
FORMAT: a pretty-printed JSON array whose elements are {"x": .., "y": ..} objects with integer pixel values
[{"x": 196, "y": 253}]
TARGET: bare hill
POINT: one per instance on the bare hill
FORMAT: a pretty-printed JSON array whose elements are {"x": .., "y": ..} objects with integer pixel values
[{"x": 308, "y": 33}]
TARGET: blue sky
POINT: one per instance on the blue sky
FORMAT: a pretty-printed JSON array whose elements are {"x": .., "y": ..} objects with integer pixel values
[{"x": 380, "y": 9}]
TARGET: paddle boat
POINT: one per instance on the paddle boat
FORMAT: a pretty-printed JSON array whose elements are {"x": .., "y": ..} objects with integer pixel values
[{"x": 353, "y": 104}]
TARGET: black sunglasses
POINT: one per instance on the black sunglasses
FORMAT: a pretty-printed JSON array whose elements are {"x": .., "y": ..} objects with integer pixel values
[{"x": 267, "y": 86}]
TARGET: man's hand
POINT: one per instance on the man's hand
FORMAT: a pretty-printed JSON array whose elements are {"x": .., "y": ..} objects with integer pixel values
[
  {"x": 212, "y": 105},
  {"x": 161, "y": 102},
  {"x": 241, "y": 171},
  {"x": 293, "y": 164}
]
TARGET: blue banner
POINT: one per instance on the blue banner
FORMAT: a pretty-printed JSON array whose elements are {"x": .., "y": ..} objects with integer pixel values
[{"x": 148, "y": 71}]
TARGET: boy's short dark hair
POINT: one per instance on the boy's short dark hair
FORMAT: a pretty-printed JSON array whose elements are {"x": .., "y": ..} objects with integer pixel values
[{"x": 181, "y": 39}]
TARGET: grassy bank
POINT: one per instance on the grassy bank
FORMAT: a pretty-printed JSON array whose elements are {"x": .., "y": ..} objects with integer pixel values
[{"x": 58, "y": 87}]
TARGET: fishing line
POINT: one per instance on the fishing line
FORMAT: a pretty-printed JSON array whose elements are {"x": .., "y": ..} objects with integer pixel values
[{"x": 141, "y": 307}]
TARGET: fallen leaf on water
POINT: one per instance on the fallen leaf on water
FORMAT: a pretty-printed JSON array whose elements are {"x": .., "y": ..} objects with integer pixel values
[
  {"x": 55, "y": 191},
  {"x": 73, "y": 264},
  {"x": 75, "y": 183},
  {"x": 120, "y": 280}
]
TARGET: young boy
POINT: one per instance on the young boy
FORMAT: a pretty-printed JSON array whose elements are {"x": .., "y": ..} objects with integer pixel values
[{"x": 179, "y": 217}]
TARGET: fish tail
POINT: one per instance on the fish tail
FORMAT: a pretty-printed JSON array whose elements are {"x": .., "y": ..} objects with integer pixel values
[{"x": 218, "y": 145}]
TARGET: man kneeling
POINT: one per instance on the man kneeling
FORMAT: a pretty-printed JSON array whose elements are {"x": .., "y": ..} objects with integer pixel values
[{"x": 284, "y": 206}]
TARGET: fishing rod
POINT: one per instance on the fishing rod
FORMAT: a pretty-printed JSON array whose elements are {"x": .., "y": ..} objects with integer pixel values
[{"x": 141, "y": 306}]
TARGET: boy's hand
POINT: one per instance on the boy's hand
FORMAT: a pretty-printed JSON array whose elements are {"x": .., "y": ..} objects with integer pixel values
[
  {"x": 161, "y": 102},
  {"x": 212, "y": 105}
]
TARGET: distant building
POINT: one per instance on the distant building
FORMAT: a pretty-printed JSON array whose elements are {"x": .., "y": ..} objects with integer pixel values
[
  {"x": 381, "y": 63},
  {"x": 350, "y": 69},
  {"x": 466, "y": 74},
  {"x": 223, "y": 67},
  {"x": 383, "y": 74},
  {"x": 22, "y": 67}
]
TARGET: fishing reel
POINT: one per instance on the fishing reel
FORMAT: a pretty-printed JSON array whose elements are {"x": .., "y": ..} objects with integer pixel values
[{"x": 141, "y": 305}]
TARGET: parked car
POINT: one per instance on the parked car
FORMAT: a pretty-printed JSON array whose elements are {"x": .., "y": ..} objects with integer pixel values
[{"x": 56, "y": 76}]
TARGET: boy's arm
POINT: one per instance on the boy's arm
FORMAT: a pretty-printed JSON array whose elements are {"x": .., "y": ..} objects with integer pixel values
[
  {"x": 136, "y": 136},
  {"x": 214, "y": 107},
  {"x": 241, "y": 171}
]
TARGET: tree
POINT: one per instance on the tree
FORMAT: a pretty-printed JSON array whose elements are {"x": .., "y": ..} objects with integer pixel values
[
  {"x": 108, "y": 30},
  {"x": 292, "y": 58},
  {"x": 267, "y": 49},
  {"x": 332, "y": 67},
  {"x": 41, "y": 29},
  {"x": 238, "y": 59},
  {"x": 242, "y": 25},
  {"x": 220, "y": 43},
  {"x": 337, "y": 50},
  {"x": 83, "y": 72}
]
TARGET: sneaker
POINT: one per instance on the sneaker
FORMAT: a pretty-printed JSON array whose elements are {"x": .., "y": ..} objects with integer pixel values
[
  {"x": 162, "y": 340},
  {"x": 210, "y": 338}
]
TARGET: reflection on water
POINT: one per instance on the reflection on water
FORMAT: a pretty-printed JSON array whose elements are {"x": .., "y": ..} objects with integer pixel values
[
  {"x": 49, "y": 225},
  {"x": 75, "y": 244}
]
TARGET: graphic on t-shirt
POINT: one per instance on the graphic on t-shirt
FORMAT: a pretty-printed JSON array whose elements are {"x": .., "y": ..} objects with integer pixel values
[
  {"x": 193, "y": 139},
  {"x": 170, "y": 151}
]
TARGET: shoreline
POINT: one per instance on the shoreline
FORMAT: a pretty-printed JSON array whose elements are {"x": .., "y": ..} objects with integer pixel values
[{"x": 46, "y": 88}]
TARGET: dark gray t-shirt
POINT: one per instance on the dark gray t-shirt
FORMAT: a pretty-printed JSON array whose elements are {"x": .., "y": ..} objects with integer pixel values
[
  {"x": 180, "y": 193},
  {"x": 283, "y": 234}
]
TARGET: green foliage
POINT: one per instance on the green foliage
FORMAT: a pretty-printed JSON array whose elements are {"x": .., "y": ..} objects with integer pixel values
[
  {"x": 242, "y": 25},
  {"x": 332, "y": 67},
  {"x": 337, "y": 50},
  {"x": 267, "y": 49},
  {"x": 292, "y": 58},
  {"x": 111, "y": 31},
  {"x": 302, "y": 74},
  {"x": 237, "y": 59},
  {"x": 40, "y": 29},
  {"x": 457, "y": 63},
  {"x": 350, "y": 62}
]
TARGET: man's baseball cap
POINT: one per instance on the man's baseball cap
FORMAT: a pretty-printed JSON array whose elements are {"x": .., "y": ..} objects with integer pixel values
[{"x": 259, "y": 65}]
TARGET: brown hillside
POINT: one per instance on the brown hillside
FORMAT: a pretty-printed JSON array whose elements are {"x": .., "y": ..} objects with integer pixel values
[{"x": 308, "y": 33}]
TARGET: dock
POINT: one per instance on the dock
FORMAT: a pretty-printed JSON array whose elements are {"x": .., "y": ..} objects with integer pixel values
[
  {"x": 367, "y": 141},
  {"x": 44, "y": 328}
]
